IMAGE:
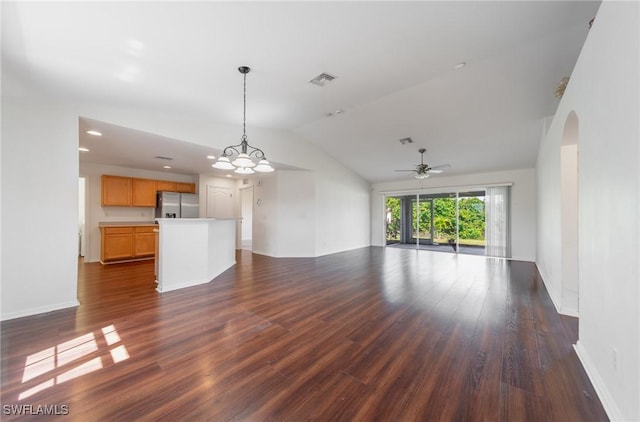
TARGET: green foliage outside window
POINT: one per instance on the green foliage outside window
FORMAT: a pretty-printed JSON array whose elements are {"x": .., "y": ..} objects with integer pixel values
[{"x": 471, "y": 219}]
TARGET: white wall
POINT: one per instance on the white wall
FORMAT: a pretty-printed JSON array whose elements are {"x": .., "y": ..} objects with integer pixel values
[
  {"x": 39, "y": 208},
  {"x": 523, "y": 204},
  {"x": 96, "y": 213},
  {"x": 342, "y": 212},
  {"x": 604, "y": 94},
  {"x": 265, "y": 210}
]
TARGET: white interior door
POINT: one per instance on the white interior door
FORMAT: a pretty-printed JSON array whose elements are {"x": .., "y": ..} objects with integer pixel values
[{"x": 219, "y": 202}]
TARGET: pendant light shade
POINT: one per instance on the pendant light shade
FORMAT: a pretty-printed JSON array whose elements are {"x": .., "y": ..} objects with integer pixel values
[
  {"x": 264, "y": 167},
  {"x": 223, "y": 163}
]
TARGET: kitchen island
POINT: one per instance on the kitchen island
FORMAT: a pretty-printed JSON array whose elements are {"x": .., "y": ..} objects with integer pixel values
[{"x": 193, "y": 251}]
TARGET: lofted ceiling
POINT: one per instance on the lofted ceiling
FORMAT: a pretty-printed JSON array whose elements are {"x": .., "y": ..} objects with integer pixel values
[{"x": 394, "y": 62}]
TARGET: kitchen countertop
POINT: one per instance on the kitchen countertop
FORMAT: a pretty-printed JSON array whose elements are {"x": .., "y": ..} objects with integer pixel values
[{"x": 126, "y": 223}]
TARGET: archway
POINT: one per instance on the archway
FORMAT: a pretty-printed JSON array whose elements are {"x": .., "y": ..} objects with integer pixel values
[{"x": 569, "y": 216}]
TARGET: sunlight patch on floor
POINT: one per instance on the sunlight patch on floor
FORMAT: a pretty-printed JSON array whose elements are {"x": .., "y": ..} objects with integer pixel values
[{"x": 77, "y": 353}]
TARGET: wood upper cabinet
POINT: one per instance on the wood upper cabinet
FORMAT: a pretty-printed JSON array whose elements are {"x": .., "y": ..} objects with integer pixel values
[
  {"x": 143, "y": 192},
  {"x": 166, "y": 186},
  {"x": 186, "y": 187},
  {"x": 116, "y": 191},
  {"x": 134, "y": 192}
]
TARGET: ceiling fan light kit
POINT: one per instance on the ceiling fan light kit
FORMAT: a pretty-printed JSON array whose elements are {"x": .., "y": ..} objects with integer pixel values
[{"x": 244, "y": 153}]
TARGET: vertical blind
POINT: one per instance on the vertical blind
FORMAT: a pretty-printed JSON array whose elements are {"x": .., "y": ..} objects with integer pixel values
[{"x": 497, "y": 225}]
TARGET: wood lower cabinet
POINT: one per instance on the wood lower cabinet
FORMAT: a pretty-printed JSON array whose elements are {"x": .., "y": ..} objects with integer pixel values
[
  {"x": 125, "y": 243},
  {"x": 144, "y": 241},
  {"x": 117, "y": 243}
]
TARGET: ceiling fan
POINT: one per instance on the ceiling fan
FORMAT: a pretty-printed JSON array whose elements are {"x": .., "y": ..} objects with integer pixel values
[{"x": 423, "y": 170}]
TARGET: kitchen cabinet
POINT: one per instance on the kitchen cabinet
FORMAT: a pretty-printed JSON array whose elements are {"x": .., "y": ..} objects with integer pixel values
[
  {"x": 143, "y": 192},
  {"x": 144, "y": 241},
  {"x": 186, "y": 187},
  {"x": 166, "y": 186},
  {"x": 134, "y": 192},
  {"x": 117, "y": 243},
  {"x": 124, "y": 242},
  {"x": 116, "y": 191}
]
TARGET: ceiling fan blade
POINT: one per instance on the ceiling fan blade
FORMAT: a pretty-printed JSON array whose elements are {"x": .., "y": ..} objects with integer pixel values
[
  {"x": 439, "y": 169},
  {"x": 405, "y": 170}
]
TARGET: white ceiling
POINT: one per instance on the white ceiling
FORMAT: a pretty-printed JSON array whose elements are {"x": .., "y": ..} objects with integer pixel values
[{"x": 394, "y": 63}]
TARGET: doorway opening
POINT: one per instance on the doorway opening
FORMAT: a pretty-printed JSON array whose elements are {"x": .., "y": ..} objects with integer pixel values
[
  {"x": 81, "y": 216},
  {"x": 246, "y": 222},
  {"x": 569, "y": 151}
]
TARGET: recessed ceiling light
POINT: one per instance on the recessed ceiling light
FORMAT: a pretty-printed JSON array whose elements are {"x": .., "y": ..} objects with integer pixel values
[
  {"x": 94, "y": 133},
  {"x": 228, "y": 175},
  {"x": 211, "y": 157},
  {"x": 83, "y": 149},
  {"x": 166, "y": 167},
  {"x": 460, "y": 65}
]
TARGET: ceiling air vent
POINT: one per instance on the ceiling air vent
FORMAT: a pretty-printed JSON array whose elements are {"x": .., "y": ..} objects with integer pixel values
[
  {"x": 160, "y": 157},
  {"x": 322, "y": 79},
  {"x": 405, "y": 141}
]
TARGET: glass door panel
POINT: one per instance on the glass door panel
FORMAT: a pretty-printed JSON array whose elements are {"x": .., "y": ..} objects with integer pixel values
[
  {"x": 421, "y": 221},
  {"x": 444, "y": 220},
  {"x": 393, "y": 220},
  {"x": 471, "y": 222}
]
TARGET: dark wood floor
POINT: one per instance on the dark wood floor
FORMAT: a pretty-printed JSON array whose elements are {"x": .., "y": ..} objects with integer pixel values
[{"x": 372, "y": 334}]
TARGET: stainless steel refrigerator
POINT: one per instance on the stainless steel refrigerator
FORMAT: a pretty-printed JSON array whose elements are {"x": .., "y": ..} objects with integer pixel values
[{"x": 177, "y": 205}]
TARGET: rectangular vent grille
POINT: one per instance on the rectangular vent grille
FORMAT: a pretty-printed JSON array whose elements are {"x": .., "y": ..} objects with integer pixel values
[
  {"x": 405, "y": 141},
  {"x": 322, "y": 79},
  {"x": 160, "y": 157}
]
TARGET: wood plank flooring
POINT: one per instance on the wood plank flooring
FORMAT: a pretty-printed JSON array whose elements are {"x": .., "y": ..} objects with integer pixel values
[{"x": 372, "y": 334}]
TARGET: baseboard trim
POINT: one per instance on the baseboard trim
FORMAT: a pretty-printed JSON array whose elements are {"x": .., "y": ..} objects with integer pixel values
[
  {"x": 40, "y": 310},
  {"x": 569, "y": 312},
  {"x": 609, "y": 404}
]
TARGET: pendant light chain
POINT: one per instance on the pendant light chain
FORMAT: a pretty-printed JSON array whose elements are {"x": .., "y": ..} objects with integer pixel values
[{"x": 244, "y": 111}]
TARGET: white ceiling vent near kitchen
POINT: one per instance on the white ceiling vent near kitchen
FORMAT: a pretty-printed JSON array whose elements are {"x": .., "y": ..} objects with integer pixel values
[
  {"x": 405, "y": 141},
  {"x": 322, "y": 79}
]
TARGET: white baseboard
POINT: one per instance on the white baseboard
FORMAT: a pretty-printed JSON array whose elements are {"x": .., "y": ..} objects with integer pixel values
[
  {"x": 569, "y": 312},
  {"x": 522, "y": 258},
  {"x": 609, "y": 404},
  {"x": 40, "y": 310}
]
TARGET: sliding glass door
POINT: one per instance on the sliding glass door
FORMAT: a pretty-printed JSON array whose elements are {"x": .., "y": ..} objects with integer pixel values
[{"x": 448, "y": 222}]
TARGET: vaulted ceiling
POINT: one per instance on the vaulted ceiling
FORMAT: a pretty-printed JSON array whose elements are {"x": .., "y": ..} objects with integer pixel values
[{"x": 395, "y": 65}]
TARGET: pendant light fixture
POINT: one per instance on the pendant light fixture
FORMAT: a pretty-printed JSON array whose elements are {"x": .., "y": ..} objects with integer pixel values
[{"x": 242, "y": 158}]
